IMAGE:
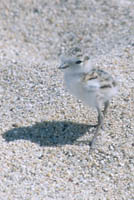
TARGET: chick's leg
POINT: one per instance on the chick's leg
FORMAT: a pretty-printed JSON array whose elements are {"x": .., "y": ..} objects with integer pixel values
[
  {"x": 99, "y": 126},
  {"x": 106, "y": 104}
]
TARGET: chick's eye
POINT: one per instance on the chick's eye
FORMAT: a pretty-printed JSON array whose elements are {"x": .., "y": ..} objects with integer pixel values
[{"x": 78, "y": 62}]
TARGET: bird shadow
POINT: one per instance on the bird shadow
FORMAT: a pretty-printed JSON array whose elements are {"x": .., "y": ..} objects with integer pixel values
[{"x": 49, "y": 133}]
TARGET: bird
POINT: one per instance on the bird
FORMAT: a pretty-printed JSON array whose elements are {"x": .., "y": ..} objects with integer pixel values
[{"x": 94, "y": 87}]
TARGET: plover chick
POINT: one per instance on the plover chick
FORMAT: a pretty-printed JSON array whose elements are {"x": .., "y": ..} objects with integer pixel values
[{"x": 93, "y": 86}]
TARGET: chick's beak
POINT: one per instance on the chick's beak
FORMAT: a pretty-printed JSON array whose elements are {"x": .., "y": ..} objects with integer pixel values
[
  {"x": 63, "y": 66},
  {"x": 60, "y": 67}
]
